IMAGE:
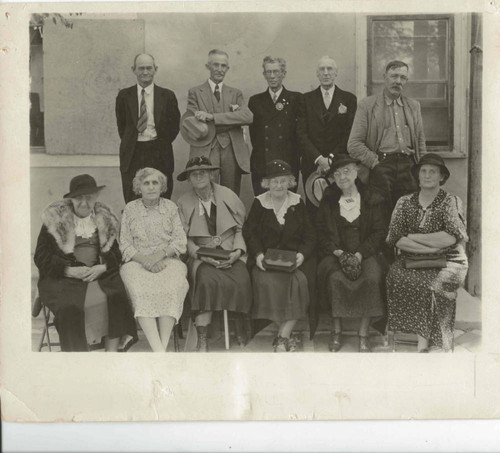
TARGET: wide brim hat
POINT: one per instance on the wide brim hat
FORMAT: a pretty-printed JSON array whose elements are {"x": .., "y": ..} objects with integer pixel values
[
  {"x": 314, "y": 187},
  {"x": 196, "y": 132},
  {"x": 277, "y": 168},
  {"x": 431, "y": 159},
  {"x": 196, "y": 163},
  {"x": 341, "y": 160},
  {"x": 82, "y": 185}
]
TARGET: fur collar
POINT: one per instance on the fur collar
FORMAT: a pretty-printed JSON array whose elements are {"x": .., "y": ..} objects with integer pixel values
[{"x": 58, "y": 218}]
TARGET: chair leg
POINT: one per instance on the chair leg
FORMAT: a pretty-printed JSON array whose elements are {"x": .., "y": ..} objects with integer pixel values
[
  {"x": 176, "y": 339},
  {"x": 226, "y": 330},
  {"x": 41, "y": 344}
]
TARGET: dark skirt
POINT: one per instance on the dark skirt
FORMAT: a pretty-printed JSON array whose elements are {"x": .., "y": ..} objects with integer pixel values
[
  {"x": 423, "y": 301},
  {"x": 279, "y": 296},
  {"x": 351, "y": 299},
  {"x": 219, "y": 289}
]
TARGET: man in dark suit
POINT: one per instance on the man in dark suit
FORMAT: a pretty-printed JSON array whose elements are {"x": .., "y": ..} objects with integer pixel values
[
  {"x": 148, "y": 122},
  {"x": 325, "y": 126},
  {"x": 274, "y": 129}
]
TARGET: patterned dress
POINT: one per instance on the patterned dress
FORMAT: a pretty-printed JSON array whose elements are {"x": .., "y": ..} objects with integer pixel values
[
  {"x": 146, "y": 230},
  {"x": 423, "y": 301}
]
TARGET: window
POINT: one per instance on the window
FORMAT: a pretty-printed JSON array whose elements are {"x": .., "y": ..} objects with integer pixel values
[
  {"x": 37, "y": 139},
  {"x": 425, "y": 43}
]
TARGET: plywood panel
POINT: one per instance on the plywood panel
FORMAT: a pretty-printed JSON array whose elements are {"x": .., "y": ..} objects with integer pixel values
[{"x": 84, "y": 67}]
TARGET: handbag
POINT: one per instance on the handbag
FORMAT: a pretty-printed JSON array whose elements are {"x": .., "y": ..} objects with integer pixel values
[
  {"x": 216, "y": 254},
  {"x": 428, "y": 261},
  {"x": 280, "y": 260}
]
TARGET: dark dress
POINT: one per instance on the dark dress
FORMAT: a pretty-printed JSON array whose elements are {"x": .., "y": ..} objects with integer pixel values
[
  {"x": 280, "y": 296},
  {"x": 66, "y": 296},
  {"x": 345, "y": 298},
  {"x": 423, "y": 301}
]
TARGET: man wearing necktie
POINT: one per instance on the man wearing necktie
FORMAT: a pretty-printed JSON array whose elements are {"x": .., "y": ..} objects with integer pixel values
[
  {"x": 274, "y": 129},
  {"x": 388, "y": 137},
  {"x": 326, "y": 122},
  {"x": 215, "y": 101},
  {"x": 148, "y": 122}
]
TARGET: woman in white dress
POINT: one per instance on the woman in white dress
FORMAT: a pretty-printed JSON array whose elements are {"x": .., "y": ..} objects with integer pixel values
[{"x": 152, "y": 239}]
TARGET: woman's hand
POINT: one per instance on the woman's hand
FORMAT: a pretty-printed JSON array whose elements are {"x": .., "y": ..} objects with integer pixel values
[
  {"x": 233, "y": 257},
  {"x": 94, "y": 272},
  {"x": 159, "y": 266},
  {"x": 338, "y": 252},
  {"x": 258, "y": 262},
  {"x": 150, "y": 260},
  {"x": 300, "y": 259},
  {"x": 210, "y": 261},
  {"x": 76, "y": 272},
  {"x": 359, "y": 256}
]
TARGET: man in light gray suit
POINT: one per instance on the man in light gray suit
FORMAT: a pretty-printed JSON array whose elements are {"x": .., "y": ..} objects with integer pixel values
[{"x": 224, "y": 105}]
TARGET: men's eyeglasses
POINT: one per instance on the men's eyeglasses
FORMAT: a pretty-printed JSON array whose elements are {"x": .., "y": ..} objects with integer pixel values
[
  {"x": 342, "y": 172},
  {"x": 270, "y": 72}
]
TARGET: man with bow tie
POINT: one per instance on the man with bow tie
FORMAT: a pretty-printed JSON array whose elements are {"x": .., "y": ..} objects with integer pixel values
[
  {"x": 326, "y": 124},
  {"x": 215, "y": 101},
  {"x": 148, "y": 122},
  {"x": 274, "y": 129}
]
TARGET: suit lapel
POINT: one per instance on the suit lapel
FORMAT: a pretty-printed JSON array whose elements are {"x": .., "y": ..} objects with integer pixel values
[
  {"x": 226, "y": 98},
  {"x": 206, "y": 96},
  {"x": 334, "y": 105},
  {"x": 157, "y": 105},
  {"x": 319, "y": 105},
  {"x": 378, "y": 115},
  {"x": 283, "y": 100},
  {"x": 133, "y": 104}
]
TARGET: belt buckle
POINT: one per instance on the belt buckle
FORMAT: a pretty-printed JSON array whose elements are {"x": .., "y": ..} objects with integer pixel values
[{"x": 216, "y": 240}]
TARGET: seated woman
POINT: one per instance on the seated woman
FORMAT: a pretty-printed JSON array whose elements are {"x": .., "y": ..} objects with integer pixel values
[
  {"x": 427, "y": 222},
  {"x": 278, "y": 219},
  {"x": 213, "y": 216},
  {"x": 151, "y": 240},
  {"x": 351, "y": 229},
  {"x": 78, "y": 258}
]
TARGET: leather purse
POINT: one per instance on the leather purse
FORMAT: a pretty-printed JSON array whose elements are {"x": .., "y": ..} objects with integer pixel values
[
  {"x": 428, "y": 261},
  {"x": 280, "y": 260},
  {"x": 214, "y": 253}
]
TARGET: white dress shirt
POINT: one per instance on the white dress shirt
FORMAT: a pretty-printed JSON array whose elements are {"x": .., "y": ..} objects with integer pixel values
[
  {"x": 212, "y": 87},
  {"x": 277, "y": 93},
  {"x": 150, "y": 132},
  {"x": 328, "y": 100}
]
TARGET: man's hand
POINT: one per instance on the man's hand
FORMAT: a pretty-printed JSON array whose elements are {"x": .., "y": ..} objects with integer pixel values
[
  {"x": 258, "y": 262},
  {"x": 76, "y": 272},
  {"x": 203, "y": 116},
  {"x": 323, "y": 164},
  {"x": 94, "y": 272}
]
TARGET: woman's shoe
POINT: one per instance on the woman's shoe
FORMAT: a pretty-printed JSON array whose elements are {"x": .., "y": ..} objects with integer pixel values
[
  {"x": 364, "y": 344},
  {"x": 291, "y": 344},
  {"x": 202, "y": 343},
  {"x": 335, "y": 342},
  {"x": 280, "y": 344}
]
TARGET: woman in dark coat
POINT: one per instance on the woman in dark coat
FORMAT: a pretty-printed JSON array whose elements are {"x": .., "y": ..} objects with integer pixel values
[
  {"x": 351, "y": 230},
  {"x": 278, "y": 219},
  {"x": 78, "y": 258}
]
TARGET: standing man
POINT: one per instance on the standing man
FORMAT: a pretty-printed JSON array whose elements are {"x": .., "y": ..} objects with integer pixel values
[
  {"x": 148, "y": 122},
  {"x": 217, "y": 102},
  {"x": 274, "y": 129},
  {"x": 388, "y": 136},
  {"x": 325, "y": 126}
]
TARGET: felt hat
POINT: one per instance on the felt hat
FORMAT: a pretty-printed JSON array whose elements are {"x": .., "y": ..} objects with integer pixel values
[
  {"x": 196, "y": 163},
  {"x": 431, "y": 159},
  {"x": 82, "y": 185},
  {"x": 315, "y": 186},
  {"x": 277, "y": 168},
  {"x": 196, "y": 132}
]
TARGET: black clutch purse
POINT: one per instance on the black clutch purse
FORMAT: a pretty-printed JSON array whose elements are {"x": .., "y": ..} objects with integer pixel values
[
  {"x": 428, "y": 261},
  {"x": 216, "y": 254},
  {"x": 280, "y": 260}
]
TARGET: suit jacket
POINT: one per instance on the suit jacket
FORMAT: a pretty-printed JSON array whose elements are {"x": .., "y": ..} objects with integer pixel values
[
  {"x": 274, "y": 132},
  {"x": 323, "y": 131},
  {"x": 369, "y": 126},
  {"x": 167, "y": 117},
  {"x": 200, "y": 98}
]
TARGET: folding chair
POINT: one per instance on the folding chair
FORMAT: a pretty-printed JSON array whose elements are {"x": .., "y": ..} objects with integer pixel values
[{"x": 48, "y": 318}]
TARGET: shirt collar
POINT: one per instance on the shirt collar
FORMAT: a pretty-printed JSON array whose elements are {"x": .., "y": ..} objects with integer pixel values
[
  {"x": 278, "y": 93},
  {"x": 149, "y": 89},
  {"x": 212, "y": 85},
  {"x": 389, "y": 100},
  {"x": 330, "y": 91}
]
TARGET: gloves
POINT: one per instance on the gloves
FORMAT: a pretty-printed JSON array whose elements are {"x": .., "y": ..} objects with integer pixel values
[{"x": 350, "y": 265}]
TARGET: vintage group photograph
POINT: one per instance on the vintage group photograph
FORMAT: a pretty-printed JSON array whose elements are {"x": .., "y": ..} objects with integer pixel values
[{"x": 255, "y": 182}]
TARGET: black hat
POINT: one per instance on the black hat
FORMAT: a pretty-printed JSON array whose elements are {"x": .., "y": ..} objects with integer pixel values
[
  {"x": 431, "y": 159},
  {"x": 341, "y": 160},
  {"x": 277, "y": 168},
  {"x": 196, "y": 163},
  {"x": 82, "y": 185}
]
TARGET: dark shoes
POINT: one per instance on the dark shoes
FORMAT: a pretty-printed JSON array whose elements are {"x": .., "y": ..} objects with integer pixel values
[
  {"x": 202, "y": 344},
  {"x": 335, "y": 342},
  {"x": 364, "y": 344},
  {"x": 280, "y": 344}
]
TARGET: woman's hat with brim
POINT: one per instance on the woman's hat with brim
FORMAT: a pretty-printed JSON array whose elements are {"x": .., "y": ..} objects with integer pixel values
[
  {"x": 196, "y": 163},
  {"x": 315, "y": 186},
  {"x": 196, "y": 132},
  {"x": 341, "y": 160},
  {"x": 82, "y": 185},
  {"x": 277, "y": 168},
  {"x": 431, "y": 159}
]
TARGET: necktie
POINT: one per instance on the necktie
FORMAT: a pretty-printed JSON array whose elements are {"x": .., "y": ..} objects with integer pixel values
[
  {"x": 142, "y": 123},
  {"x": 275, "y": 98},
  {"x": 217, "y": 93},
  {"x": 327, "y": 99}
]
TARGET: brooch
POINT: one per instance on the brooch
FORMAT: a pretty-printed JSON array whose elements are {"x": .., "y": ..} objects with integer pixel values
[
  {"x": 234, "y": 107},
  {"x": 342, "y": 109},
  {"x": 279, "y": 106}
]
